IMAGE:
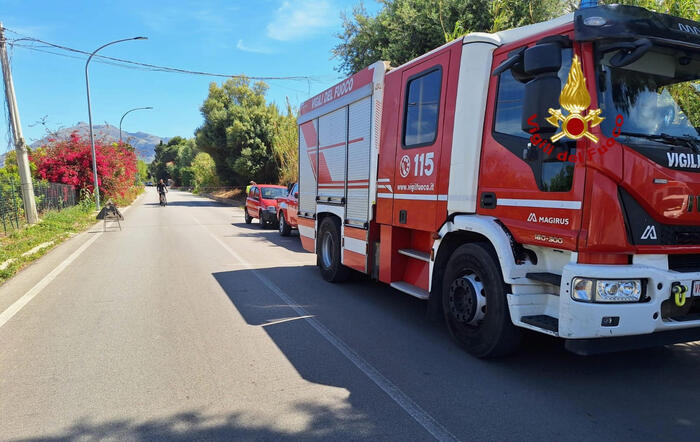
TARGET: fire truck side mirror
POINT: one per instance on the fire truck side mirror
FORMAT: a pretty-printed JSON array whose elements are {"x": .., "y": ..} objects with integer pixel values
[
  {"x": 543, "y": 62},
  {"x": 542, "y": 58}
]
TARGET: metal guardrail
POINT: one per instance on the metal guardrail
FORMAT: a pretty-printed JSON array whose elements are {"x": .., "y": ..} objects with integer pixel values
[{"x": 49, "y": 196}]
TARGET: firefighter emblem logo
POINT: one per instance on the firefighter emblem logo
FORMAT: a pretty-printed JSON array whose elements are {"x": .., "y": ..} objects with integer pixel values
[
  {"x": 575, "y": 99},
  {"x": 405, "y": 166}
]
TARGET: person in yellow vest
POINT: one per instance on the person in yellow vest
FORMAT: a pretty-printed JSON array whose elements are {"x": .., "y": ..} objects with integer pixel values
[{"x": 247, "y": 189}]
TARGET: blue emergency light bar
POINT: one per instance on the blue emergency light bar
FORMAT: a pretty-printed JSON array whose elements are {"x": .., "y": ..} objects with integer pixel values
[{"x": 588, "y": 4}]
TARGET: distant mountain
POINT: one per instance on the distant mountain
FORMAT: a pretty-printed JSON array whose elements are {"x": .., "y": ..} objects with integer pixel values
[{"x": 143, "y": 143}]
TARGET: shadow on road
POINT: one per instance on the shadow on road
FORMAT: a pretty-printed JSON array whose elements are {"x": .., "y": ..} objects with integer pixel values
[
  {"x": 271, "y": 235},
  {"x": 543, "y": 388},
  {"x": 321, "y": 423}
]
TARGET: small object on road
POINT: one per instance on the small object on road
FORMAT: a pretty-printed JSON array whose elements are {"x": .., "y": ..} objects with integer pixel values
[{"x": 110, "y": 212}]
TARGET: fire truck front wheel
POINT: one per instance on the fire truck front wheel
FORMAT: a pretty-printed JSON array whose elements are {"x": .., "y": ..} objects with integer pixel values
[
  {"x": 475, "y": 305},
  {"x": 328, "y": 252}
]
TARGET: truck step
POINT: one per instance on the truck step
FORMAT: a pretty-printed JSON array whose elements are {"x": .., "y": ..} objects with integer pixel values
[
  {"x": 542, "y": 321},
  {"x": 549, "y": 278},
  {"x": 417, "y": 254},
  {"x": 411, "y": 289}
]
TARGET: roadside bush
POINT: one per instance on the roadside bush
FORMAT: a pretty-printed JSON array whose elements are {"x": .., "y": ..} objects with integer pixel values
[
  {"x": 204, "y": 171},
  {"x": 70, "y": 162}
]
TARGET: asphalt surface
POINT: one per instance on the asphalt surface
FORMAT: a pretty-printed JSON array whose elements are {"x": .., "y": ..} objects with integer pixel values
[{"x": 190, "y": 324}]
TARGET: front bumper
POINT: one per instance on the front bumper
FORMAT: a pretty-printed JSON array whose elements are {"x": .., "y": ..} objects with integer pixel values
[
  {"x": 582, "y": 320},
  {"x": 269, "y": 216},
  {"x": 586, "y": 347}
]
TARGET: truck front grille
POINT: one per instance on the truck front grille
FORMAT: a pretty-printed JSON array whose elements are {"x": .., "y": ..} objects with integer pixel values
[{"x": 684, "y": 263}]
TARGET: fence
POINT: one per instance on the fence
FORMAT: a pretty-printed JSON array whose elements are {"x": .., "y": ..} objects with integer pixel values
[{"x": 48, "y": 196}]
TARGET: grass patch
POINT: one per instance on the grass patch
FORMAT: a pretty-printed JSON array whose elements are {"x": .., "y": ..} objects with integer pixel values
[{"x": 55, "y": 226}]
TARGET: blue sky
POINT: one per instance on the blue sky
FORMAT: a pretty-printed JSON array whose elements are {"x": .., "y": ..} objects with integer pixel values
[{"x": 256, "y": 38}]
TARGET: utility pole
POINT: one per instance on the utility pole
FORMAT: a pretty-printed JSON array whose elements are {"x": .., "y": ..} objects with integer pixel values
[{"x": 20, "y": 147}]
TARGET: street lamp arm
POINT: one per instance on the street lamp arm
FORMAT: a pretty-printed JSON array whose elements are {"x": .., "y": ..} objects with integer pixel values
[
  {"x": 108, "y": 44},
  {"x": 92, "y": 136},
  {"x": 125, "y": 113}
]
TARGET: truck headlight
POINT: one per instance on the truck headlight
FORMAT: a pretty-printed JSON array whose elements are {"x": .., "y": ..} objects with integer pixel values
[
  {"x": 606, "y": 290},
  {"x": 271, "y": 208}
]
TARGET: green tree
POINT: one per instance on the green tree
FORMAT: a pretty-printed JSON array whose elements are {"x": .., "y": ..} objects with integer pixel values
[
  {"x": 405, "y": 29},
  {"x": 286, "y": 146},
  {"x": 508, "y": 14},
  {"x": 239, "y": 131},
  {"x": 183, "y": 161},
  {"x": 204, "y": 171},
  {"x": 689, "y": 9},
  {"x": 164, "y": 153},
  {"x": 142, "y": 175}
]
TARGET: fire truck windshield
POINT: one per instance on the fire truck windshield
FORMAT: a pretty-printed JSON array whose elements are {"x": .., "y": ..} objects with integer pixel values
[{"x": 657, "y": 95}]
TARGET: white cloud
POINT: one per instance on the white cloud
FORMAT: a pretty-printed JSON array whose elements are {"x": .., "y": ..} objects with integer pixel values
[
  {"x": 256, "y": 50},
  {"x": 295, "y": 20}
]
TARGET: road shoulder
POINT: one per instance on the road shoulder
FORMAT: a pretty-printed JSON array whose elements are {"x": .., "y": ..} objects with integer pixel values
[{"x": 34, "y": 272}]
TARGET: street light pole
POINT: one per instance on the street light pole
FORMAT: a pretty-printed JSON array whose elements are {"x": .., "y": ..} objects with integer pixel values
[
  {"x": 92, "y": 137},
  {"x": 122, "y": 119}
]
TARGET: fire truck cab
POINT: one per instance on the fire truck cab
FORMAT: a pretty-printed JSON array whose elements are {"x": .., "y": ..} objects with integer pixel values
[{"x": 544, "y": 177}]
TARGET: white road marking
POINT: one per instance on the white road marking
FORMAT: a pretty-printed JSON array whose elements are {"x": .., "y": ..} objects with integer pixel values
[
  {"x": 24, "y": 300},
  {"x": 406, "y": 403},
  {"x": 281, "y": 321},
  {"x": 46, "y": 280}
]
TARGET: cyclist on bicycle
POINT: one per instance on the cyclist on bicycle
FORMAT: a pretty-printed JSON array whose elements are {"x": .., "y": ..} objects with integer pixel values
[{"x": 162, "y": 189}]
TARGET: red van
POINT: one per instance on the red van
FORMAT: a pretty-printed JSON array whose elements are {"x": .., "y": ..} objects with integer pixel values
[
  {"x": 261, "y": 203},
  {"x": 287, "y": 211}
]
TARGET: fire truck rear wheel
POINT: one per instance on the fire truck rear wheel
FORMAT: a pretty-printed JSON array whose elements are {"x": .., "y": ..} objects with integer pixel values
[
  {"x": 475, "y": 305},
  {"x": 328, "y": 252},
  {"x": 248, "y": 218}
]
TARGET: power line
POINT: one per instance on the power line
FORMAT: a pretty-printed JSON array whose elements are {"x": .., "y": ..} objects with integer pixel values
[{"x": 144, "y": 66}]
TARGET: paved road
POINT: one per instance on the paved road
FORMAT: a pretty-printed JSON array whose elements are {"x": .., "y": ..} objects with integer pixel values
[{"x": 190, "y": 324}]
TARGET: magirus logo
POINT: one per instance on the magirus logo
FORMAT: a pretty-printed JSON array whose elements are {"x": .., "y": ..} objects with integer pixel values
[
  {"x": 533, "y": 218},
  {"x": 649, "y": 233}
]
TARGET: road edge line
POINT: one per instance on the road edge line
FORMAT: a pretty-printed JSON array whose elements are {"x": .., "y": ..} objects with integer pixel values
[
  {"x": 16, "y": 306},
  {"x": 422, "y": 417}
]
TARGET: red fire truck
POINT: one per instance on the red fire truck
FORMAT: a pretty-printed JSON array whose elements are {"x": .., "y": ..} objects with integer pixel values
[{"x": 545, "y": 177}]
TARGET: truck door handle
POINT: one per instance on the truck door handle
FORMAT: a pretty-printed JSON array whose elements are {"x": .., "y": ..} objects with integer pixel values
[{"x": 488, "y": 200}]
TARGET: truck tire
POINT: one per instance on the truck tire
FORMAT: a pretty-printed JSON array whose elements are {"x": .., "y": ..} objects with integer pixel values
[
  {"x": 248, "y": 218},
  {"x": 475, "y": 305},
  {"x": 284, "y": 228},
  {"x": 328, "y": 252}
]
